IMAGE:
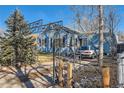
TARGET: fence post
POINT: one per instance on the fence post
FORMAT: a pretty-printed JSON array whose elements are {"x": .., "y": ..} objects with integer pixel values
[
  {"x": 60, "y": 74},
  {"x": 69, "y": 75},
  {"x": 106, "y": 77}
]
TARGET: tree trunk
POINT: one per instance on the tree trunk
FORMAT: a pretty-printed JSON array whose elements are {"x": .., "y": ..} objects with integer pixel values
[{"x": 101, "y": 28}]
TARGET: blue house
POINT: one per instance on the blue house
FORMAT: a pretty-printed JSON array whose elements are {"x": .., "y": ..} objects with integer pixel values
[
  {"x": 108, "y": 45},
  {"x": 62, "y": 39}
]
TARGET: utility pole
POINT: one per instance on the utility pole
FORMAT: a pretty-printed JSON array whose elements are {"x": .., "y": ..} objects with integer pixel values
[{"x": 101, "y": 29}]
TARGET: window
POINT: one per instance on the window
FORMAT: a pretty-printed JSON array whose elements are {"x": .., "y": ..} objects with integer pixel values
[
  {"x": 64, "y": 41},
  {"x": 39, "y": 41},
  {"x": 120, "y": 48},
  {"x": 84, "y": 48},
  {"x": 51, "y": 43}
]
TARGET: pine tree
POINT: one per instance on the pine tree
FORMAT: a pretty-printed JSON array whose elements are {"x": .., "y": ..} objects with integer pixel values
[{"x": 16, "y": 45}]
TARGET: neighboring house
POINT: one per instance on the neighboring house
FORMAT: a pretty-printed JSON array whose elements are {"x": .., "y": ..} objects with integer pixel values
[
  {"x": 1, "y": 32},
  {"x": 120, "y": 38},
  {"x": 108, "y": 45}
]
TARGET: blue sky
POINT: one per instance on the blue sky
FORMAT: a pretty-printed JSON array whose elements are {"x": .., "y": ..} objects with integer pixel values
[
  {"x": 33, "y": 13},
  {"x": 48, "y": 13}
]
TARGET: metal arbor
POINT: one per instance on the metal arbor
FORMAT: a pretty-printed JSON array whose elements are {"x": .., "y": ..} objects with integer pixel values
[
  {"x": 36, "y": 26},
  {"x": 82, "y": 71},
  {"x": 55, "y": 28}
]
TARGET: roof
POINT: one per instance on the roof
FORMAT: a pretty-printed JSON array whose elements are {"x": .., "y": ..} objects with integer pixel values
[{"x": 58, "y": 27}]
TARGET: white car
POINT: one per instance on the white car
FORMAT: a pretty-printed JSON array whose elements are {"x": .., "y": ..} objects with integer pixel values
[{"x": 86, "y": 51}]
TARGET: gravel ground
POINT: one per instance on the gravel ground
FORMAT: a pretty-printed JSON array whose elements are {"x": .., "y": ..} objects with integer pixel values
[{"x": 88, "y": 76}]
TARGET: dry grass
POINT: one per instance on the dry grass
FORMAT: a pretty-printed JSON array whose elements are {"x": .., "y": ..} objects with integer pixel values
[{"x": 45, "y": 57}]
